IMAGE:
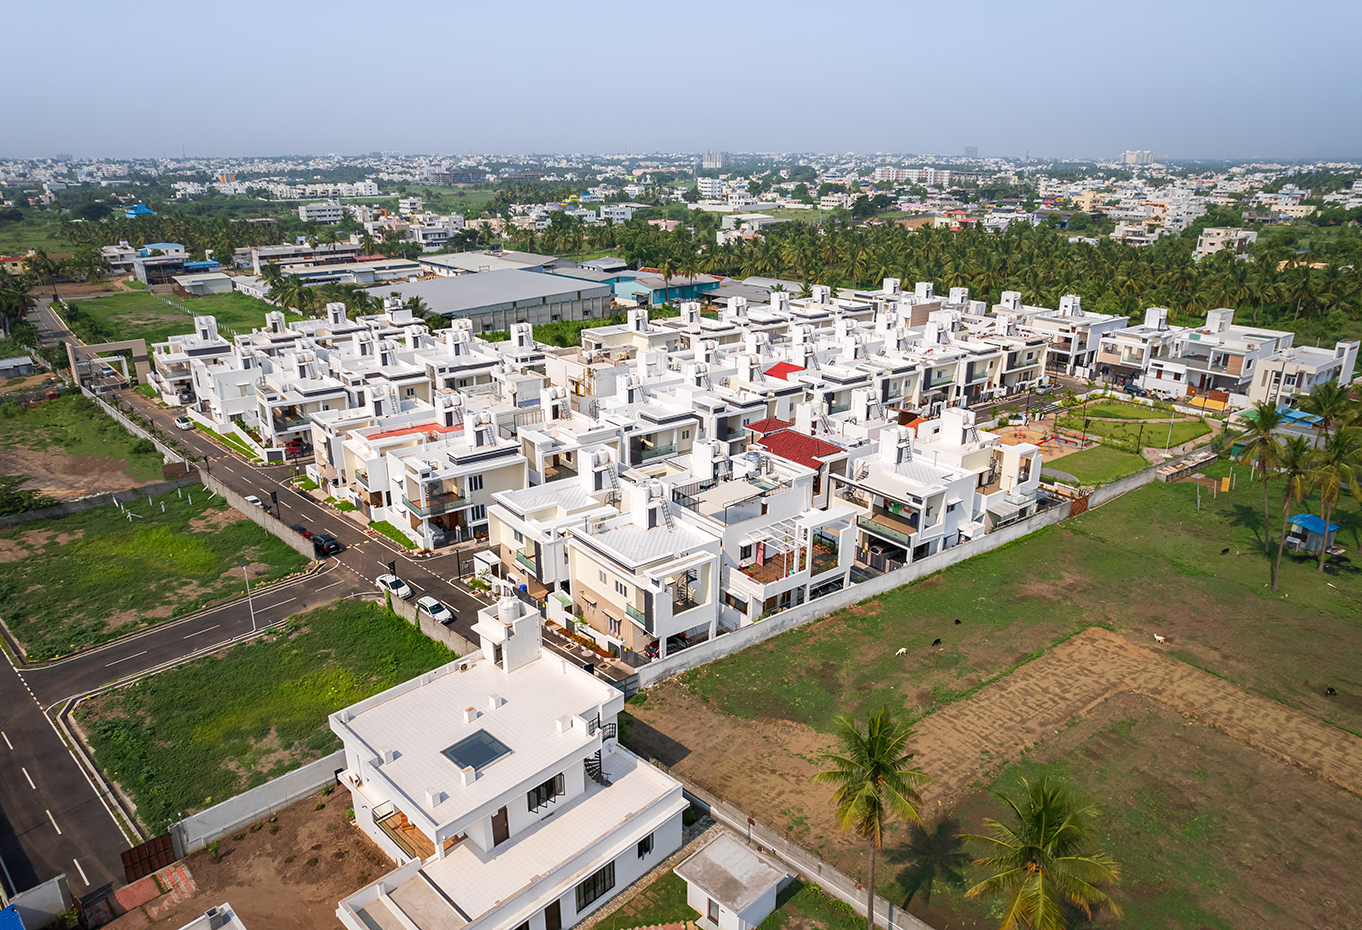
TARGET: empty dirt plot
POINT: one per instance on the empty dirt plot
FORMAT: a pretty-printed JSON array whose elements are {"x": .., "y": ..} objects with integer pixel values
[
  {"x": 87, "y": 578},
  {"x": 1017, "y": 668},
  {"x": 288, "y": 872},
  {"x": 69, "y": 449}
]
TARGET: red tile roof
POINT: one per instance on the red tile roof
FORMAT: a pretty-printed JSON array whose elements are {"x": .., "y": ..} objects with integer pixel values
[
  {"x": 420, "y": 428},
  {"x": 798, "y": 447},
  {"x": 769, "y": 425},
  {"x": 781, "y": 369}
]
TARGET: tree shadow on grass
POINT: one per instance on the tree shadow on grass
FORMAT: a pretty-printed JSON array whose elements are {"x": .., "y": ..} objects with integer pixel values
[
  {"x": 935, "y": 855},
  {"x": 1251, "y": 518}
]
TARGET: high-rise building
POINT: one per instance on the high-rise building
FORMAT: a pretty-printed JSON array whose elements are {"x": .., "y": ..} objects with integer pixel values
[
  {"x": 1137, "y": 158},
  {"x": 713, "y": 159},
  {"x": 971, "y": 151}
]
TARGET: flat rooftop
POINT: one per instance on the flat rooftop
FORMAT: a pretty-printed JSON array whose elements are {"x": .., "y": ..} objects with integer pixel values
[{"x": 472, "y": 292}]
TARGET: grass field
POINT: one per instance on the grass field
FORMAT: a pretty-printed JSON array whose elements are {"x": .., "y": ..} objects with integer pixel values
[
  {"x": 1108, "y": 408},
  {"x": 91, "y": 577},
  {"x": 1146, "y": 562},
  {"x": 36, "y": 231},
  {"x": 143, "y": 316},
  {"x": 69, "y": 433},
  {"x": 1198, "y": 819},
  {"x": 1208, "y": 832},
  {"x": 1143, "y": 434},
  {"x": 197, "y": 734},
  {"x": 662, "y": 902},
  {"x": 1099, "y": 466}
]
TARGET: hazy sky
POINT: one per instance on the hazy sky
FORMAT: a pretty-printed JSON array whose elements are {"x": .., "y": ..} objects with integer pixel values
[{"x": 1185, "y": 79}]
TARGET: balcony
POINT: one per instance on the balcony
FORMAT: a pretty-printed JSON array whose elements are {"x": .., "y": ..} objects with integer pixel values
[
  {"x": 401, "y": 831},
  {"x": 941, "y": 382},
  {"x": 528, "y": 562},
  {"x": 879, "y": 524},
  {"x": 1021, "y": 498},
  {"x": 657, "y": 451},
  {"x": 437, "y": 506},
  {"x": 290, "y": 424},
  {"x": 636, "y": 614},
  {"x": 363, "y": 478}
]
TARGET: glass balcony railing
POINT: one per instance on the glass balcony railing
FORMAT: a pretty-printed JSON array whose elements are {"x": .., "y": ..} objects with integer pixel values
[
  {"x": 362, "y": 477},
  {"x": 528, "y": 562},
  {"x": 437, "y": 506},
  {"x": 635, "y": 613},
  {"x": 882, "y": 530},
  {"x": 657, "y": 451}
]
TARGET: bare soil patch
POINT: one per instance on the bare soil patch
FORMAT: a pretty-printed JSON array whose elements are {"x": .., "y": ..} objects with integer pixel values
[
  {"x": 289, "y": 879},
  {"x": 64, "y": 477}
]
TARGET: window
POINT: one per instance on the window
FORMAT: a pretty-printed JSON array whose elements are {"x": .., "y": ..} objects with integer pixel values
[
  {"x": 621, "y": 589},
  {"x": 745, "y": 552},
  {"x": 645, "y": 846},
  {"x": 477, "y": 513},
  {"x": 589, "y": 891},
  {"x": 541, "y": 795},
  {"x": 474, "y": 482},
  {"x": 737, "y": 603},
  {"x": 614, "y": 627},
  {"x": 602, "y": 574},
  {"x": 411, "y": 392},
  {"x": 685, "y": 434},
  {"x": 479, "y": 750}
]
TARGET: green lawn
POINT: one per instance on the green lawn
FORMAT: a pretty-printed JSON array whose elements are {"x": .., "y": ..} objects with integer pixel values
[
  {"x": 1100, "y": 465},
  {"x": 662, "y": 902},
  {"x": 1139, "y": 434},
  {"x": 189, "y": 737},
  {"x": 74, "y": 426},
  {"x": 1110, "y": 408},
  {"x": 805, "y": 905},
  {"x": 144, "y": 316},
  {"x": 392, "y": 532},
  {"x": 94, "y": 576},
  {"x": 1147, "y": 562}
]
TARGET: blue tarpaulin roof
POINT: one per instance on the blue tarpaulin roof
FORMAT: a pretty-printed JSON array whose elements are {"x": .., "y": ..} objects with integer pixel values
[
  {"x": 1314, "y": 524},
  {"x": 10, "y": 920}
]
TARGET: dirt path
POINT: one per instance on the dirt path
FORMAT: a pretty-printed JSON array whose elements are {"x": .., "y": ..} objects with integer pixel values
[{"x": 763, "y": 766}]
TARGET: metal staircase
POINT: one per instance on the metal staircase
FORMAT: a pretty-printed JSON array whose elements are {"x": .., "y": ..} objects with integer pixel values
[{"x": 593, "y": 770}]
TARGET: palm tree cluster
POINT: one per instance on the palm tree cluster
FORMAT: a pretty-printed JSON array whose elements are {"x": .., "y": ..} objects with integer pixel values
[
  {"x": 1331, "y": 467},
  {"x": 1038, "y": 262},
  {"x": 14, "y": 301},
  {"x": 1041, "y": 861},
  {"x": 196, "y": 233}
]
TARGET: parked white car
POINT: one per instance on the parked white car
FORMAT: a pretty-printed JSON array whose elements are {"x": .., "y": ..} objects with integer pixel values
[
  {"x": 438, "y": 612},
  {"x": 255, "y": 501},
  {"x": 396, "y": 585},
  {"x": 183, "y": 423}
]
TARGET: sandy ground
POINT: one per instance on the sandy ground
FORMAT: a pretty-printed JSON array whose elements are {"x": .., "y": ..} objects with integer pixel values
[
  {"x": 763, "y": 766},
  {"x": 65, "y": 478},
  {"x": 291, "y": 879}
]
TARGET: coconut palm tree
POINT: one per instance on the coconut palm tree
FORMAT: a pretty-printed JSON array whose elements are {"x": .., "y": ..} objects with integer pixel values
[
  {"x": 1041, "y": 860},
  {"x": 1336, "y": 468},
  {"x": 1329, "y": 401},
  {"x": 872, "y": 780},
  {"x": 1293, "y": 465},
  {"x": 1261, "y": 450}
]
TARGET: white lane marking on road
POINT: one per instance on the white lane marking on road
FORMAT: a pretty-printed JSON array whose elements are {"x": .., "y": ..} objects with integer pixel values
[
  {"x": 29, "y": 777},
  {"x": 54, "y": 822},
  {"x": 7, "y": 742},
  {"x": 126, "y": 658},
  {"x": 418, "y": 587},
  {"x": 331, "y": 585},
  {"x": 280, "y": 604},
  {"x": 204, "y": 630},
  {"x": 82, "y": 872}
]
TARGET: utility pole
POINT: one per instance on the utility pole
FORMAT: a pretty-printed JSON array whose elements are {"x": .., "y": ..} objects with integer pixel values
[{"x": 249, "y": 602}]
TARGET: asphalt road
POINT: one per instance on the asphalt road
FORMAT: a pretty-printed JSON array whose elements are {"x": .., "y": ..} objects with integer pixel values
[{"x": 53, "y": 817}]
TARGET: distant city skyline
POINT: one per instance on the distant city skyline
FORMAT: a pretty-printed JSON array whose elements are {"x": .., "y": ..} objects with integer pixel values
[{"x": 1055, "y": 79}]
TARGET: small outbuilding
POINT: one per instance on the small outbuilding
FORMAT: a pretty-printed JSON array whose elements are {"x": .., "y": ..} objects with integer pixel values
[
  {"x": 733, "y": 887},
  {"x": 1308, "y": 532}
]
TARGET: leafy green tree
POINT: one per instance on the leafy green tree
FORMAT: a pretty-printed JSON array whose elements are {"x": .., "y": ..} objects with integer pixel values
[
  {"x": 1329, "y": 401},
  {"x": 872, "y": 781},
  {"x": 1041, "y": 859}
]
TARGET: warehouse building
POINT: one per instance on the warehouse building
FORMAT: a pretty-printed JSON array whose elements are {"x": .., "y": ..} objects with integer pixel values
[{"x": 493, "y": 300}]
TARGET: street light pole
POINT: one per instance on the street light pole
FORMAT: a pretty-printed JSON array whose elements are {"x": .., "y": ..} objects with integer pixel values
[{"x": 249, "y": 602}]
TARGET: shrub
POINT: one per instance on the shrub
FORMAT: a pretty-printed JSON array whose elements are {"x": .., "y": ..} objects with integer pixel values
[{"x": 213, "y": 848}]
